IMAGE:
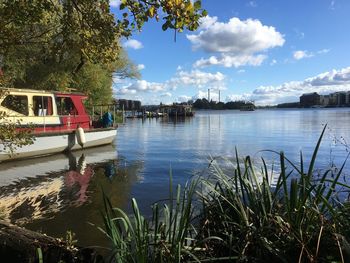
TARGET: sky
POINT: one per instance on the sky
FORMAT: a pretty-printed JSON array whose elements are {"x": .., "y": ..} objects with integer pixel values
[{"x": 266, "y": 51}]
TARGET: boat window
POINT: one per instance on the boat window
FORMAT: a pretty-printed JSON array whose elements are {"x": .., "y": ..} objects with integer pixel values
[
  {"x": 17, "y": 103},
  {"x": 42, "y": 105},
  {"x": 65, "y": 106}
]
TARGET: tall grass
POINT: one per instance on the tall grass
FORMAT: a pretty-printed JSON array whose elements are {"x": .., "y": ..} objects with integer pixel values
[
  {"x": 169, "y": 236},
  {"x": 241, "y": 216}
]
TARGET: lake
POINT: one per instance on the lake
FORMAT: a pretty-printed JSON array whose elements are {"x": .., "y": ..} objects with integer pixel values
[{"x": 64, "y": 192}]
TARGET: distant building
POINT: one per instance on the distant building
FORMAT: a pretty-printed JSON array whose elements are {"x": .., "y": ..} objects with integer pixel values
[
  {"x": 347, "y": 98},
  {"x": 335, "y": 99},
  {"x": 339, "y": 98},
  {"x": 310, "y": 99},
  {"x": 129, "y": 104},
  {"x": 324, "y": 100},
  {"x": 332, "y": 99}
]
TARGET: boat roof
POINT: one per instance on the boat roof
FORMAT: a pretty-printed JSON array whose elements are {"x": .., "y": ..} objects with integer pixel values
[{"x": 42, "y": 91}]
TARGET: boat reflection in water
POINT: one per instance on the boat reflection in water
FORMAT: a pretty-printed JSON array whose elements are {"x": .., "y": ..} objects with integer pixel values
[{"x": 64, "y": 192}]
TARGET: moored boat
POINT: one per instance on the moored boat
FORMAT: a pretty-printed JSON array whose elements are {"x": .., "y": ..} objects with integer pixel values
[
  {"x": 58, "y": 121},
  {"x": 247, "y": 107}
]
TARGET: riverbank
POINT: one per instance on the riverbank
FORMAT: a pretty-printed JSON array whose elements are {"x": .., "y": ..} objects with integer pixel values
[{"x": 22, "y": 245}]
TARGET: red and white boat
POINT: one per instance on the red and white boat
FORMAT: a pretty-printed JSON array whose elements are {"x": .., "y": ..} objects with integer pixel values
[{"x": 59, "y": 121}]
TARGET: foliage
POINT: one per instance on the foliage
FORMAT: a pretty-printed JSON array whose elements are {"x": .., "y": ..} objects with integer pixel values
[
  {"x": 83, "y": 30},
  {"x": 177, "y": 14},
  {"x": 70, "y": 240},
  {"x": 289, "y": 105},
  {"x": 168, "y": 237},
  {"x": 244, "y": 217},
  {"x": 47, "y": 64},
  {"x": 55, "y": 45},
  {"x": 10, "y": 137},
  {"x": 231, "y": 105}
]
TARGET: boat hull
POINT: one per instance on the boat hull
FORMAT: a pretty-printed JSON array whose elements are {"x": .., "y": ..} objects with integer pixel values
[{"x": 50, "y": 143}]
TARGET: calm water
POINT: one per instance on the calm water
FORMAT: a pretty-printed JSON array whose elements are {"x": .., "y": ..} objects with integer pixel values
[{"x": 64, "y": 192}]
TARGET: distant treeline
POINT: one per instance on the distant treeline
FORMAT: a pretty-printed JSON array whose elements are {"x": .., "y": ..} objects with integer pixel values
[
  {"x": 289, "y": 105},
  {"x": 213, "y": 105}
]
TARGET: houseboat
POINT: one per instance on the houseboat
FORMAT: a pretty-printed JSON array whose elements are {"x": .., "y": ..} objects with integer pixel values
[
  {"x": 178, "y": 110},
  {"x": 247, "y": 107},
  {"x": 58, "y": 121}
]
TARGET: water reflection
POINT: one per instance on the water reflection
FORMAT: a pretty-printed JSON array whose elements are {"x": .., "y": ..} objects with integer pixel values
[{"x": 61, "y": 192}]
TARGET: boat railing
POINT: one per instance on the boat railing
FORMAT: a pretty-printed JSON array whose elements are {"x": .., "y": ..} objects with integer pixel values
[{"x": 100, "y": 113}]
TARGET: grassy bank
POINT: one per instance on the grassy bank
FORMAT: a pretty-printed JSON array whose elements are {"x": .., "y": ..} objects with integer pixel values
[{"x": 240, "y": 215}]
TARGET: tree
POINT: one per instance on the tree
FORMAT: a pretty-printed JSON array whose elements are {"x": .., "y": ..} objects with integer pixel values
[
  {"x": 54, "y": 44},
  {"x": 87, "y": 27}
]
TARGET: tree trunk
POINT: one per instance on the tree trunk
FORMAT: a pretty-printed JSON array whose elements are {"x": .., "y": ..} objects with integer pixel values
[{"x": 21, "y": 245}]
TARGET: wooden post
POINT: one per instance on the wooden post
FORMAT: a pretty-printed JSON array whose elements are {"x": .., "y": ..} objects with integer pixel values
[
  {"x": 113, "y": 115},
  {"x": 93, "y": 113},
  {"x": 123, "y": 113}
]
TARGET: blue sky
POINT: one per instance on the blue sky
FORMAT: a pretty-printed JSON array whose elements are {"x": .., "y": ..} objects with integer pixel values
[{"x": 268, "y": 51}]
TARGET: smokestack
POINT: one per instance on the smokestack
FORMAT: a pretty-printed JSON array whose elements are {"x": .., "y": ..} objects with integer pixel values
[
  {"x": 208, "y": 94},
  {"x": 219, "y": 95}
]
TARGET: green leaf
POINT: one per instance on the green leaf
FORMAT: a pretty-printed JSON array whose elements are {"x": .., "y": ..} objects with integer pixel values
[
  {"x": 165, "y": 26},
  {"x": 197, "y": 4}
]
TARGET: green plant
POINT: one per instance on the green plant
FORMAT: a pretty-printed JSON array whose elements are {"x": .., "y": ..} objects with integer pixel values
[
  {"x": 169, "y": 236},
  {"x": 295, "y": 220},
  {"x": 70, "y": 240},
  {"x": 40, "y": 255}
]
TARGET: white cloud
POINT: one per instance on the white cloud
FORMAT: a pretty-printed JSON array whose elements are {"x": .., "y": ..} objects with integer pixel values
[
  {"x": 299, "y": 33},
  {"x": 237, "y": 42},
  {"x": 141, "y": 86},
  {"x": 236, "y": 97},
  {"x": 207, "y": 21},
  {"x": 241, "y": 71},
  {"x": 332, "y": 5},
  {"x": 133, "y": 44},
  {"x": 273, "y": 62},
  {"x": 323, "y": 51},
  {"x": 325, "y": 83},
  {"x": 197, "y": 79},
  {"x": 183, "y": 98},
  {"x": 185, "y": 79},
  {"x": 300, "y": 54},
  {"x": 229, "y": 61},
  {"x": 214, "y": 95},
  {"x": 200, "y": 95},
  {"x": 236, "y": 36},
  {"x": 140, "y": 66},
  {"x": 166, "y": 94},
  {"x": 115, "y": 3},
  {"x": 252, "y": 4}
]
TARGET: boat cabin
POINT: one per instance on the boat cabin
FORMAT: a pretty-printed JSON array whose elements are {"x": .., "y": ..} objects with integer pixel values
[{"x": 45, "y": 111}]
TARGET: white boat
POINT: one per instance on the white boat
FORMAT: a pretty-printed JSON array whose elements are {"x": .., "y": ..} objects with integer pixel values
[{"x": 59, "y": 123}]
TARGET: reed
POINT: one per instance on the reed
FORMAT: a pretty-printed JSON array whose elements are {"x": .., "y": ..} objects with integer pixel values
[
  {"x": 296, "y": 220},
  {"x": 240, "y": 215},
  {"x": 168, "y": 236}
]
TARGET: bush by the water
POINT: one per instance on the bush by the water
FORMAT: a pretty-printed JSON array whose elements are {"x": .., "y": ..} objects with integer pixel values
[{"x": 240, "y": 216}]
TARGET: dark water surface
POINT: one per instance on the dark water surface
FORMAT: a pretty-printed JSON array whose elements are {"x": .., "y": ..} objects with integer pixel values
[{"x": 64, "y": 192}]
